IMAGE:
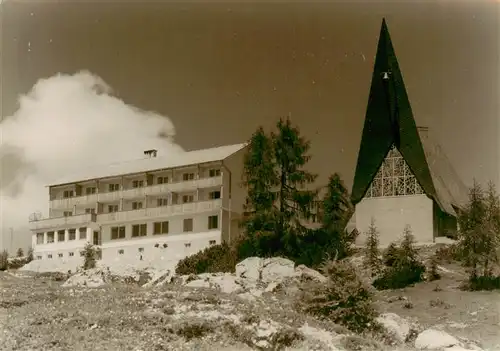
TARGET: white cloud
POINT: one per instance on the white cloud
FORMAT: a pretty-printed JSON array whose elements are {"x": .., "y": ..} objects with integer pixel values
[{"x": 66, "y": 123}]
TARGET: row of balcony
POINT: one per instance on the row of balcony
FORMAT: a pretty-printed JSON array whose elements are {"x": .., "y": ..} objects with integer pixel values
[
  {"x": 124, "y": 216},
  {"x": 134, "y": 193}
]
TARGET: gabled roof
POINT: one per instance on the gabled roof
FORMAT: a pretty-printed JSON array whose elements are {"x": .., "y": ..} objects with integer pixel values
[
  {"x": 389, "y": 120},
  {"x": 152, "y": 164},
  {"x": 450, "y": 189}
]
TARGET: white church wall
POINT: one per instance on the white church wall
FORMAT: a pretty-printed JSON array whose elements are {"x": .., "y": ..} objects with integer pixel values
[{"x": 392, "y": 214}]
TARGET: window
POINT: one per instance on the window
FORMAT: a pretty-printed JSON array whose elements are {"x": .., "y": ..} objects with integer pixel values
[
  {"x": 139, "y": 230},
  {"x": 83, "y": 233},
  {"x": 72, "y": 234},
  {"x": 38, "y": 257},
  {"x": 212, "y": 242},
  {"x": 213, "y": 222},
  {"x": 50, "y": 237},
  {"x": 117, "y": 232},
  {"x": 137, "y": 183},
  {"x": 161, "y": 202},
  {"x": 162, "y": 180},
  {"x": 39, "y": 238},
  {"x": 187, "y": 245},
  {"x": 60, "y": 235},
  {"x": 67, "y": 213},
  {"x": 60, "y": 255},
  {"x": 90, "y": 190},
  {"x": 141, "y": 249},
  {"x": 188, "y": 225},
  {"x": 112, "y": 208},
  {"x": 49, "y": 256},
  {"x": 71, "y": 254},
  {"x": 187, "y": 176},
  {"x": 90, "y": 210},
  {"x": 121, "y": 252},
  {"x": 68, "y": 193},
  {"x": 187, "y": 199},
  {"x": 214, "y": 172},
  {"x": 214, "y": 195},
  {"x": 114, "y": 187},
  {"x": 394, "y": 178},
  {"x": 136, "y": 205},
  {"x": 160, "y": 228}
]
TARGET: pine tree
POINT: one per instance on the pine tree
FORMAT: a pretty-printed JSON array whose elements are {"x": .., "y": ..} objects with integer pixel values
[
  {"x": 491, "y": 240},
  {"x": 295, "y": 201},
  {"x": 20, "y": 252},
  {"x": 336, "y": 210},
  {"x": 277, "y": 196},
  {"x": 407, "y": 252},
  {"x": 472, "y": 226},
  {"x": 372, "y": 252},
  {"x": 259, "y": 178}
]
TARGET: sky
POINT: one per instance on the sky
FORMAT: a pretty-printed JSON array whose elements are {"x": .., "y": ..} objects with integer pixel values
[{"x": 209, "y": 74}]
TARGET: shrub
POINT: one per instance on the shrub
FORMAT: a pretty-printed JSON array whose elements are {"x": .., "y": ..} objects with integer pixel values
[
  {"x": 479, "y": 283},
  {"x": 20, "y": 252},
  {"x": 89, "y": 256},
  {"x": 343, "y": 298},
  {"x": 17, "y": 262},
  {"x": 433, "y": 271},
  {"x": 405, "y": 269},
  {"x": 448, "y": 253},
  {"x": 4, "y": 260},
  {"x": 30, "y": 257},
  {"x": 390, "y": 255},
  {"x": 216, "y": 258}
]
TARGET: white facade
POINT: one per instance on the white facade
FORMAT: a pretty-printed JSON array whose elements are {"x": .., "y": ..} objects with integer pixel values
[
  {"x": 393, "y": 201},
  {"x": 393, "y": 214},
  {"x": 172, "y": 212}
]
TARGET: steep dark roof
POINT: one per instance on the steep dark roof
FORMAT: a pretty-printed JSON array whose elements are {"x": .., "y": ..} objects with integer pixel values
[{"x": 389, "y": 120}]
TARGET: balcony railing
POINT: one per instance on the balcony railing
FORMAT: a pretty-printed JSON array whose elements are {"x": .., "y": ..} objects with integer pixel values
[
  {"x": 163, "y": 211},
  {"x": 58, "y": 222},
  {"x": 134, "y": 193}
]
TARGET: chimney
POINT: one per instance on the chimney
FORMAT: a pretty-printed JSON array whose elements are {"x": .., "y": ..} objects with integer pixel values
[
  {"x": 423, "y": 132},
  {"x": 151, "y": 153}
]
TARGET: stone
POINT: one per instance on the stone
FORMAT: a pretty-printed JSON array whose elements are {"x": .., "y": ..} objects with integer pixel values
[
  {"x": 432, "y": 339},
  {"x": 276, "y": 269},
  {"x": 249, "y": 268},
  {"x": 397, "y": 326}
]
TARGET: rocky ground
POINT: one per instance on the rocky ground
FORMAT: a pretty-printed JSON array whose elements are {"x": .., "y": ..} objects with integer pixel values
[{"x": 251, "y": 310}]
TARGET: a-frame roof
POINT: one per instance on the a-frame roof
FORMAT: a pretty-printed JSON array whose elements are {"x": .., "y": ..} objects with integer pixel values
[{"x": 389, "y": 120}]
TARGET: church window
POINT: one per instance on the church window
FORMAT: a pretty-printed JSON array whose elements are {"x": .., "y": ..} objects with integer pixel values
[{"x": 394, "y": 178}]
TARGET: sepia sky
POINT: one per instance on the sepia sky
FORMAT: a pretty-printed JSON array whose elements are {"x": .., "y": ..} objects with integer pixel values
[{"x": 220, "y": 69}]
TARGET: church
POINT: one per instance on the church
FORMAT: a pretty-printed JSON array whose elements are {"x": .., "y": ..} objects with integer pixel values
[{"x": 402, "y": 176}]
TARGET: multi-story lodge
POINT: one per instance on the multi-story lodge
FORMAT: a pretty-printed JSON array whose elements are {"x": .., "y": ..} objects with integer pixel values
[{"x": 172, "y": 206}]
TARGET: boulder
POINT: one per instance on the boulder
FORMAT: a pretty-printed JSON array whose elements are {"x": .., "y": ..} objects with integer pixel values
[
  {"x": 249, "y": 268},
  {"x": 432, "y": 339},
  {"x": 276, "y": 269},
  {"x": 305, "y": 273},
  {"x": 396, "y": 326}
]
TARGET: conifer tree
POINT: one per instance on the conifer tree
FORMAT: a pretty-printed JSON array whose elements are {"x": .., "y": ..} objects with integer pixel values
[
  {"x": 491, "y": 240},
  {"x": 294, "y": 200},
  {"x": 277, "y": 195},
  {"x": 259, "y": 178},
  {"x": 20, "y": 252},
  {"x": 372, "y": 252},
  {"x": 336, "y": 210},
  {"x": 472, "y": 227}
]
